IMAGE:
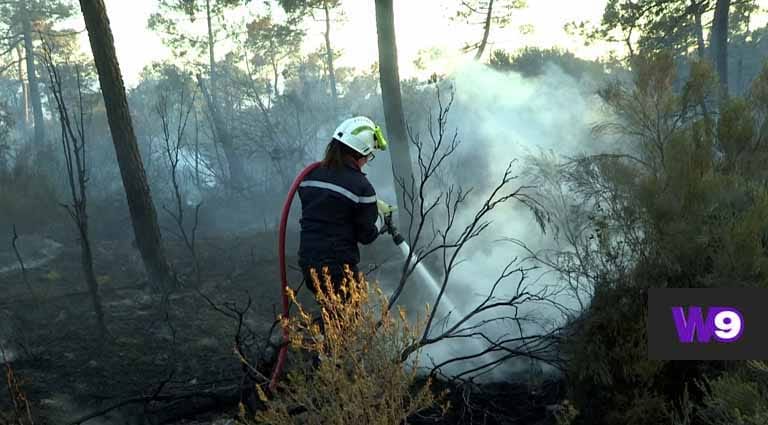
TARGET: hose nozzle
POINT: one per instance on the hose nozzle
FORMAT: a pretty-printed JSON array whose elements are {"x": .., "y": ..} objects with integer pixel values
[{"x": 386, "y": 211}]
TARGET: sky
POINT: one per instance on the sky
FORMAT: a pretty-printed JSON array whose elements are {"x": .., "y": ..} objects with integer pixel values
[{"x": 419, "y": 25}]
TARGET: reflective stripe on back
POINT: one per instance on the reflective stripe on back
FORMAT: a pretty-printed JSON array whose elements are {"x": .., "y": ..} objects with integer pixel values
[{"x": 340, "y": 190}]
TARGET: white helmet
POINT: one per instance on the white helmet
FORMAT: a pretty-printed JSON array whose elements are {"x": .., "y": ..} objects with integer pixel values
[{"x": 361, "y": 134}]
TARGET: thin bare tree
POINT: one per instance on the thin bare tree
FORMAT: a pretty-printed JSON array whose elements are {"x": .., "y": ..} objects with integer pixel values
[
  {"x": 73, "y": 142},
  {"x": 433, "y": 231},
  {"x": 21, "y": 262},
  {"x": 174, "y": 143}
]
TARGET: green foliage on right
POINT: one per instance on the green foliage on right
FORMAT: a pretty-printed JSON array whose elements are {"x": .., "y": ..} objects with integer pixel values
[
  {"x": 685, "y": 204},
  {"x": 739, "y": 397}
]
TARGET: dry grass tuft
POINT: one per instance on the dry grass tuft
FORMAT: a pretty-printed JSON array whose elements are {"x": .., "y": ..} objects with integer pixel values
[
  {"x": 357, "y": 376},
  {"x": 22, "y": 411}
]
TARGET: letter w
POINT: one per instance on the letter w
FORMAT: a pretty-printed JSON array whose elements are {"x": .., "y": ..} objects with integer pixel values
[{"x": 694, "y": 323}]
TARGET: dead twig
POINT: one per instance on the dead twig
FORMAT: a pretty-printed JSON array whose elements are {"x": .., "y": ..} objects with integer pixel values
[
  {"x": 22, "y": 412},
  {"x": 216, "y": 394},
  {"x": 21, "y": 262}
]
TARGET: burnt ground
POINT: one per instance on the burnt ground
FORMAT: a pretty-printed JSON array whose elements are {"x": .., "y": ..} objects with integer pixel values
[
  {"x": 66, "y": 372},
  {"x": 183, "y": 358}
]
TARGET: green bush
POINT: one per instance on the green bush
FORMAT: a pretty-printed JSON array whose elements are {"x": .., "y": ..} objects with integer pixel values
[
  {"x": 690, "y": 203},
  {"x": 532, "y": 62},
  {"x": 738, "y": 397}
]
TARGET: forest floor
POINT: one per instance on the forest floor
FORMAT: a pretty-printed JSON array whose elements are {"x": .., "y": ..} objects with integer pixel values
[
  {"x": 181, "y": 357},
  {"x": 49, "y": 335}
]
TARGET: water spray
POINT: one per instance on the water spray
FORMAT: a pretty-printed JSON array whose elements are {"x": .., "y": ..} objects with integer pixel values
[{"x": 432, "y": 285}]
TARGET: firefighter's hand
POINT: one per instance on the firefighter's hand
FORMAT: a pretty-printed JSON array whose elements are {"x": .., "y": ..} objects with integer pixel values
[
  {"x": 386, "y": 224},
  {"x": 384, "y": 208}
]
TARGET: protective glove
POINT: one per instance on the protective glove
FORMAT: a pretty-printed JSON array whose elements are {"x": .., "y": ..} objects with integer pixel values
[
  {"x": 387, "y": 226},
  {"x": 381, "y": 225},
  {"x": 385, "y": 212},
  {"x": 384, "y": 208}
]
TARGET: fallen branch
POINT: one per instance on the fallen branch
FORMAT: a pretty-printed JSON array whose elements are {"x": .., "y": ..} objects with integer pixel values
[{"x": 219, "y": 394}]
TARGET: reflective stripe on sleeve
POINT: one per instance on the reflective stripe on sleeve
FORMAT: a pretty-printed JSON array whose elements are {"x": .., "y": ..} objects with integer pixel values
[{"x": 340, "y": 190}]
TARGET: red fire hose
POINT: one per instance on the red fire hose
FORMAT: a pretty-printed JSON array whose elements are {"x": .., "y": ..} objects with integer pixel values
[{"x": 283, "y": 274}]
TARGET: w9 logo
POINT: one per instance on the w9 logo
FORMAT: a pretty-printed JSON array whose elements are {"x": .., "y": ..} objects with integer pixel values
[{"x": 725, "y": 324}]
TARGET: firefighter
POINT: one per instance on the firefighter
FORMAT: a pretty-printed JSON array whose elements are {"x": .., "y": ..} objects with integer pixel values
[{"x": 339, "y": 208}]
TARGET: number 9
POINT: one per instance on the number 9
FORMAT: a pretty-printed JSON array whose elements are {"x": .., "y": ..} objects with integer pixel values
[{"x": 728, "y": 325}]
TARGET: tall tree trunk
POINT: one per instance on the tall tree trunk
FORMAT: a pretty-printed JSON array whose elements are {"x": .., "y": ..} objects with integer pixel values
[
  {"x": 275, "y": 78},
  {"x": 741, "y": 87},
  {"x": 329, "y": 55},
  {"x": 719, "y": 43},
  {"x": 143, "y": 214},
  {"x": 24, "y": 86},
  {"x": 699, "y": 28},
  {"x": 224, "y": 138},
  {"x": 740, "y": 72},
  {"x": 211, "y": 55},
  {"x": 486, "y": 31},
  {"x": 389, "y": 77},
  {"x": 197, "y": 151},
  {"x": 221, "y": 132},
  {"x": 34, "y": 89}
]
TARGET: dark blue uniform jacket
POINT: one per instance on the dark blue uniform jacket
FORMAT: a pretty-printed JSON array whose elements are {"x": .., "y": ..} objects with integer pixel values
[{"x": 338, "y": 211}]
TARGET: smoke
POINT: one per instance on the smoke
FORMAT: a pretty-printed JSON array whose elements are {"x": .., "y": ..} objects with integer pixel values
[
  {"x": 511, "y": 118},
  {"x": 503, "y": 117}
]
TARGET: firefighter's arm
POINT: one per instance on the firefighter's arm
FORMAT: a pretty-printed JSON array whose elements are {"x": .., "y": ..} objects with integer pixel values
[
  {"x": 365, "y": 219},
  {"x": 366, "y": 230}
]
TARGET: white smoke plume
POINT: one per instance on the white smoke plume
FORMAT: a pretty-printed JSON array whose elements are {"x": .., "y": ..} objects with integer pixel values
[{"x": 501, "y": 117}]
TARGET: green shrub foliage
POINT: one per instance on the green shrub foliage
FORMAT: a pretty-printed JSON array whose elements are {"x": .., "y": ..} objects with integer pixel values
[{"x": 684, "y": 205}]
